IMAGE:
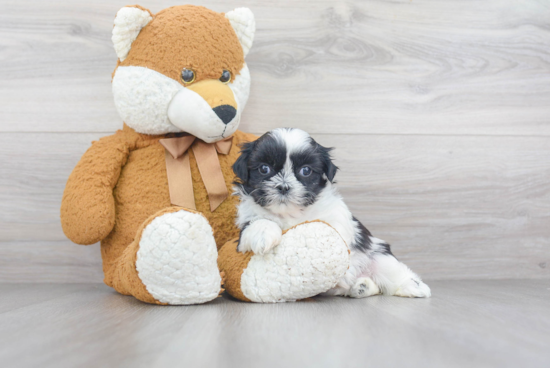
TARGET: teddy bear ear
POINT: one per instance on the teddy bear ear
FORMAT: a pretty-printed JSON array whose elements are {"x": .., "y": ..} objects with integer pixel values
[
  {"x": 128, "y": 23},
  {"x": 242, "y": 21}
]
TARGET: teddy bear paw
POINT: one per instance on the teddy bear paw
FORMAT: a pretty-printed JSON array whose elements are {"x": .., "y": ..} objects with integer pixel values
[
  {"x": 309, "y": 260},
  {"x": 177, "y": 259}
]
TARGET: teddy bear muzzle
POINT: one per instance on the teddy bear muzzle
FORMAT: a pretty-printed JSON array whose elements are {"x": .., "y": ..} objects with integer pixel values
[{"x": 206, "y": 109}]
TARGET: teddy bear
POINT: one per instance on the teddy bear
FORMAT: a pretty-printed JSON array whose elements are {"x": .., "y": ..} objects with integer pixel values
[{"x": 157, "y": 193}]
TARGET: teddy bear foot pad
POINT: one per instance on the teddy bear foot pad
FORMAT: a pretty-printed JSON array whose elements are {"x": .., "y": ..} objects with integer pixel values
[
  {"x": 177, "y": 259},
  {"x": 310, "y": 260}
]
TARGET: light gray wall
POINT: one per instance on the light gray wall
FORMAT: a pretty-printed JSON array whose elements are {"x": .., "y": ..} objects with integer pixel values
[{"x": 439, "y": 112}]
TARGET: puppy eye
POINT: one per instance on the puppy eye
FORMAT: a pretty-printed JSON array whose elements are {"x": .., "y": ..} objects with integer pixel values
[
  {"x": 187, "y": 76},
  {"x": 264, "y": 169},
  {"x": 306, "y": 171},
  {"x": 226, "y": 76}
]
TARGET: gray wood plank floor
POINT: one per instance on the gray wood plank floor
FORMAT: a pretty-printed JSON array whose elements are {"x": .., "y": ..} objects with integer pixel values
[{"x": 502, "y": 323}]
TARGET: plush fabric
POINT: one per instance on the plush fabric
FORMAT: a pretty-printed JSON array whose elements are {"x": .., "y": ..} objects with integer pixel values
[
  {"x": 189, "y": 42},
  {"x": 118, "y": 193},
  {"x": 242, "y": 21},
  {"x": 128, "y": 23},
  {"x": 310, "y": 259},
  {"x": 142, "y": 97},
  {"x": 186, "y": 274},
  {"x": 232, "y": 264},
  {"x": 129, "y": 173},
  {"x": 129, "y": 185}
]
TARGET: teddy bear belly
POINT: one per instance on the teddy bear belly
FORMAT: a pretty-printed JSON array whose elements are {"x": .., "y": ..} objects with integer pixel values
[{"x": 142, "y": 190}]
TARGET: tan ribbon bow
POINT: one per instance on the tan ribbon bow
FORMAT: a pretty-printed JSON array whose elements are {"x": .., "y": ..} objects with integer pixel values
[{"x": 178, "y": 168}]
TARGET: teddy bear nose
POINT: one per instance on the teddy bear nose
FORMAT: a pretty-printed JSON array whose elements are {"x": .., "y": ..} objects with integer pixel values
[{"x": 225, "y": 112}]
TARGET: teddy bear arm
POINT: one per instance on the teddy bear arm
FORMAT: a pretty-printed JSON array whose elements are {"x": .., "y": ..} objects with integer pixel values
[{"x": 88, "y": 206}]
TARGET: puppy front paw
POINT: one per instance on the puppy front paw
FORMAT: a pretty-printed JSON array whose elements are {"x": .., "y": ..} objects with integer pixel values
[{"x": 260, "y": 237}]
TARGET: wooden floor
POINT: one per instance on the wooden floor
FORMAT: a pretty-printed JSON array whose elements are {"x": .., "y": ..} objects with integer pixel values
[{"x": 502, "y": 323}]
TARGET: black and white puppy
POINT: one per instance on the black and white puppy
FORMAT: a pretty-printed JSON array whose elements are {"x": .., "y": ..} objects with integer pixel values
[{"x": 285, "y": 178}]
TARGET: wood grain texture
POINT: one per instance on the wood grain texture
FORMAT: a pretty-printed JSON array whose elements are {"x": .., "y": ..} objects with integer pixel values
[
  {"x": 439, "y": 112},
  {"x": 440, "y": 115},
  {"x": 465, "y": 324},
  {"x": 455, "y": 207},
  {"x": 43, "y": 261},
  {"x": 376, "y": 67}
]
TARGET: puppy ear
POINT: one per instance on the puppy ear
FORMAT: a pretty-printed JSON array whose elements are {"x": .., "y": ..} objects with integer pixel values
[
  {"x": 328, "y": 166},
  {"x": 240, "y": 167}
]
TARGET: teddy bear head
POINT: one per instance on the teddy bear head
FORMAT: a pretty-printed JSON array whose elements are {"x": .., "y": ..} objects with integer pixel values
[{"x": 182, "y": 69}]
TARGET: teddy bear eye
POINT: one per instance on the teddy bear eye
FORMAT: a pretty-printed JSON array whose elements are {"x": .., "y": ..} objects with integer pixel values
[
  {"x": 226, "y": 76},
  {"x": 264, "y": 169},
  {"x": 187, "y": 76}
]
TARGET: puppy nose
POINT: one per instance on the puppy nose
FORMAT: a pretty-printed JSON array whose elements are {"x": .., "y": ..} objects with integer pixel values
[
  {"x": 283, "y": 188},
  {"x": 225, "y": 112}
]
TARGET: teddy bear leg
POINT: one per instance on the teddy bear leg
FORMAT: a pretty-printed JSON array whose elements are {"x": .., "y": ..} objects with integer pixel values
[
  {"x": 310, "y": 259},
  {"x": 173, "y": 260}
]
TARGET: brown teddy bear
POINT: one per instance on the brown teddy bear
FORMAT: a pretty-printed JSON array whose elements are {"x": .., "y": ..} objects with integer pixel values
[{"x": 156, "y": 194}]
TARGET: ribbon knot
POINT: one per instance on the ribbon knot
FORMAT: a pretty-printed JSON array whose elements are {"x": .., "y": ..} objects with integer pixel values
[{"x": 178, "y": 169}]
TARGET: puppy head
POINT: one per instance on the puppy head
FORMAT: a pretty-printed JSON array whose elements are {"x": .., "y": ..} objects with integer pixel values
[{"x": 284, "y": 167}]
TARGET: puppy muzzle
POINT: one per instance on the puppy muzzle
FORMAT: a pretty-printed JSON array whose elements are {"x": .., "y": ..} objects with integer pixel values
[{"x": 283, "y": 189}]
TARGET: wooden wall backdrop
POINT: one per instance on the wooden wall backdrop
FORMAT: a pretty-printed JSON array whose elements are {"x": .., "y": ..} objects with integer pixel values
[{"x": 439, "y": 110}]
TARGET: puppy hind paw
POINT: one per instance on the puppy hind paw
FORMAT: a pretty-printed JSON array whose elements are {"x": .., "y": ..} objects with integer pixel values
[
  {"x": 414, "y": 288},
  {"x": 363, "y": 288}
]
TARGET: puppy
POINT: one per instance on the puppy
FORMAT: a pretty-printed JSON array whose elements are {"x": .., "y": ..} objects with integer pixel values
[{"x": 285, "y": 178}]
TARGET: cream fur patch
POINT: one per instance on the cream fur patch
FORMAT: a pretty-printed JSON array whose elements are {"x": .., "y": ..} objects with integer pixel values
[
  {"x": 243, "y": 22},
  {"x": 241, "y": 87},
  {"x": 151, "y": 103},
  {"x": 310, "y": 260},
  {"x": 142, "y": 97},
  {"x": 192, "y": 114},
  {"x": 177, "y": 259},
  {"x": 128, "y": 23}
]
